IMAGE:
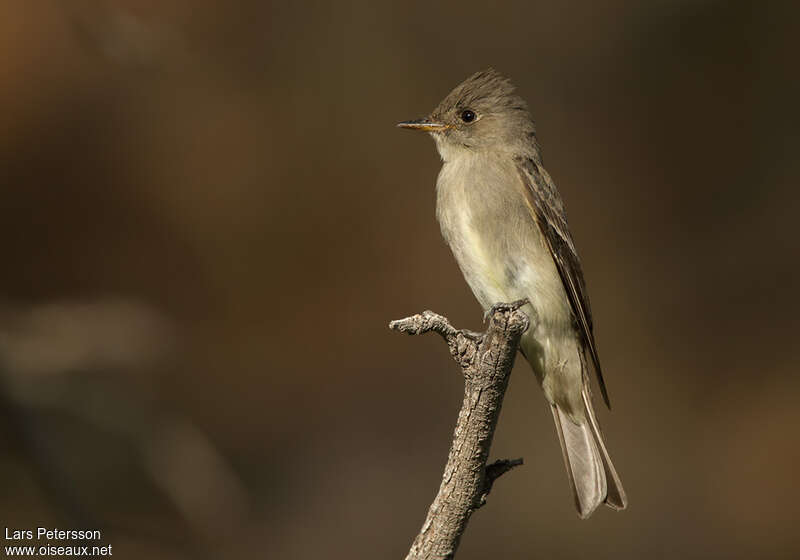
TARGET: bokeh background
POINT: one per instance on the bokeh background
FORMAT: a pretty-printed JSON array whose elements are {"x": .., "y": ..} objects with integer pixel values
[{"x": 208, "y": 219}]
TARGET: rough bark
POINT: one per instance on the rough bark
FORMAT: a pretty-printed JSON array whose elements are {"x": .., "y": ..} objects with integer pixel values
[{"x": 486, "y": 360}]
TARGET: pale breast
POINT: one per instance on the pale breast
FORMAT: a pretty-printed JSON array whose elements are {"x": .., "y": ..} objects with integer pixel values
[{"x": 498, "y": 246}]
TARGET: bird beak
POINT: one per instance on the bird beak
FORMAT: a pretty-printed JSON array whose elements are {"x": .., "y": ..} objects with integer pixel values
[{"x": 424, "y": 124}]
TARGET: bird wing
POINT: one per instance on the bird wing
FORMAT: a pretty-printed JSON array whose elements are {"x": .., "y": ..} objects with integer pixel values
[{"x": 547, "y": 210}]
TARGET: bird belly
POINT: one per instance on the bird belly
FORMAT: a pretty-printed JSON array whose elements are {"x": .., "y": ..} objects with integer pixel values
[{"x": 503, "y": 257}]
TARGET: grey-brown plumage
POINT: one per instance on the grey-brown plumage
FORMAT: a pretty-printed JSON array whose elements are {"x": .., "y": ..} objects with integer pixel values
[{"x": 503, "y": 218}]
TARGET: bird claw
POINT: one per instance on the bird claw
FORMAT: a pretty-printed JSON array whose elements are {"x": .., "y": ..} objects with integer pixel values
[{"x": 513, "y": 306}]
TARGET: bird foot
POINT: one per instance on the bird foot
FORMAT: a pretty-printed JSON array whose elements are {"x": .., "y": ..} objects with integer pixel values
[{"x": 513, "y": 306}]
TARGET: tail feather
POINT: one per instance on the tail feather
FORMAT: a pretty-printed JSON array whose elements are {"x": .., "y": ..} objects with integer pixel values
[
  {"x": 591, "y": 473},
  {"x": 584, "y": 466},
  {"x": 616, "y": 498}
]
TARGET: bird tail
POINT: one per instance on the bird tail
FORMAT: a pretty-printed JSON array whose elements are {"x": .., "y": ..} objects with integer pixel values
[{"x": 591, "y": 473}]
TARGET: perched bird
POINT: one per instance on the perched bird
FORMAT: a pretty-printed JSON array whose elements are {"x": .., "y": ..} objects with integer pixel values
[{"x": 503, "y": 218}]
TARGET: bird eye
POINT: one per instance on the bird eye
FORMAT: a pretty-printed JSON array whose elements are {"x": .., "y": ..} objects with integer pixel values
[{"x": 467, "y": 116}]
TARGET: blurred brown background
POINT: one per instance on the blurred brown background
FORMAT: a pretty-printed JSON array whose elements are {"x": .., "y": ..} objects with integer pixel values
[{"x": 208, "y": 219}]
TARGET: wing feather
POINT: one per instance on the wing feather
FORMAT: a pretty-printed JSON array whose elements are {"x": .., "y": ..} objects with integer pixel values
[{"x": 547, "y": 209}]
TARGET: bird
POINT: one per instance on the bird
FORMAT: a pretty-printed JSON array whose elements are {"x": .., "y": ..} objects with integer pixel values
[{"x": 505, "y": 223}]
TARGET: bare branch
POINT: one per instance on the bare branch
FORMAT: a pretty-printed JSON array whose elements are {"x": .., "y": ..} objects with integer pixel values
[
  {"x": 424, "y": 322},
  {"x": 486, "y": 361},
  {"x": 495, "y": 471}
]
